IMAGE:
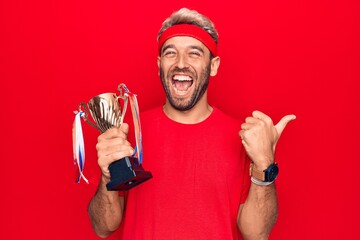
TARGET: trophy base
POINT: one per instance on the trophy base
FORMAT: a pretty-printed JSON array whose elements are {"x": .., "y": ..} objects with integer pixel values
[{"x": 126, "y": 174}]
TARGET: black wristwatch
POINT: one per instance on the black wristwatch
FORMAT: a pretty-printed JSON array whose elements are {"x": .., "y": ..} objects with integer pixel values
[{"x": 267, "y": 175}]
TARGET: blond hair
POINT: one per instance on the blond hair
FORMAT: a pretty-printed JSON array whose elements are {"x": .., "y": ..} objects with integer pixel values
[{"x": 187, "y": 16}]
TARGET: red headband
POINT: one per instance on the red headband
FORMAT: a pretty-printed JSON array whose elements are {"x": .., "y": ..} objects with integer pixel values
[{"x": 189, "y": 30}]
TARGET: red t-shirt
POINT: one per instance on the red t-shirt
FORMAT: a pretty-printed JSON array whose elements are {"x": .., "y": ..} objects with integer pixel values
[{"x": 200, "y": 177}]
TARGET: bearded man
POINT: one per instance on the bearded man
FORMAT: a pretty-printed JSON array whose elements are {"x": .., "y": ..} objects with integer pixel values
[{"x": 199, "y": 157}]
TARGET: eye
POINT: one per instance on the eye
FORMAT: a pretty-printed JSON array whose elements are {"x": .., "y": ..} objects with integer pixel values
[
  {"x": 169, "y": 53},
  {"x": 195, "y": 53}
]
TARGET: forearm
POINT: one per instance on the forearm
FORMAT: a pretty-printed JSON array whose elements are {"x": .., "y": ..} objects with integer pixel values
[
  {"x": 105, "y": 210},
  {"x": 258, "y": 215}
]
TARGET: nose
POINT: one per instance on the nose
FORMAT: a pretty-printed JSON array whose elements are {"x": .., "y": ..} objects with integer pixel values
[{"x": 181, "y": 61}]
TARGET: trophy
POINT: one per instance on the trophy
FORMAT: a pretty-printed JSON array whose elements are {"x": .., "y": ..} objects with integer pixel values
[{"x": 106, "y": 112}]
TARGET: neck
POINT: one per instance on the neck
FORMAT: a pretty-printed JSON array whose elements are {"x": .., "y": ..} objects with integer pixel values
[{"x": 198, "y": 113}]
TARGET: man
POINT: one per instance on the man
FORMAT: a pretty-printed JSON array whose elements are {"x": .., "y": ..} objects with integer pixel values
[{"x": 201, "y": 187}]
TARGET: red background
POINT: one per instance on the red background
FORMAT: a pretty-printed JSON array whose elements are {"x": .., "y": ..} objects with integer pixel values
[{"x": 279, "y": 57}]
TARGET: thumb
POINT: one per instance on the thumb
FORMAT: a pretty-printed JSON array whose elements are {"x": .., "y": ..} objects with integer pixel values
[
  {"x": 124, "y": 128},
  {"x": 280, "y": 126}
]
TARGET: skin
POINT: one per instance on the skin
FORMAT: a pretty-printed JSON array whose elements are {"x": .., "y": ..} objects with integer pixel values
[
  {"x": 190, "y": 54},
  {"x": 257, "y": 216},
  {"x": 188, "y": 57},
  {"x": 106, "y": 208}
]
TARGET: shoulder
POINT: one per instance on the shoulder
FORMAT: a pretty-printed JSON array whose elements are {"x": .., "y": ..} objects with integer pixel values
[
  {"x": 153, "y": 112},
  {"x": 219, "y": 115},
  {"x": 152, "y": 117}
]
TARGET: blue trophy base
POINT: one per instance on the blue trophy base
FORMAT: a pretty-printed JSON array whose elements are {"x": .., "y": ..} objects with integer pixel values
[{"x": 125, "y": 174}]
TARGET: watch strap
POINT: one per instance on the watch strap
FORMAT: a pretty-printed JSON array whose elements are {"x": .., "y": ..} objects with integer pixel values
[
  {"x": 257, "y": 174},
  {"x": 260, "y": 183}
]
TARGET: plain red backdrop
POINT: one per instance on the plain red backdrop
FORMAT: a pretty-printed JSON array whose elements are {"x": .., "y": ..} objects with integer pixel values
[{"x": 279, "y": 57}]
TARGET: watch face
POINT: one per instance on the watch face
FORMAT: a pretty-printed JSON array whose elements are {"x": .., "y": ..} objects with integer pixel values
[{"x": 271, "y": 172}]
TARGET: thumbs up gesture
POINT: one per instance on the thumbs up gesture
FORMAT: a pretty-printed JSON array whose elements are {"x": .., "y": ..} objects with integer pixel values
[{"x": 259, "y": 136}]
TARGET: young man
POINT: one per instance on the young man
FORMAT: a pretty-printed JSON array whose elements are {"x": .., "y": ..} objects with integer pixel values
[{"x": 201, "y": 188}]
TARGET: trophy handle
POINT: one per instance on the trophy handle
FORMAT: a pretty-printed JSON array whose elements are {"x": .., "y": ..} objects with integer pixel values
[
  {"x": 84, "y": 108},
  {"x": 128, "y": 96},
  {"x": 124, "y": 97}
]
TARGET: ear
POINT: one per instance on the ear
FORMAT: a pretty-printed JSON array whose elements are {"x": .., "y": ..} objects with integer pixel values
[
  {"x": 215, "y": 63},
  {"x": 158, "y": 63}
]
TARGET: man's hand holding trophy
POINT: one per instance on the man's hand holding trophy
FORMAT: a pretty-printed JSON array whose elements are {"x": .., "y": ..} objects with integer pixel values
[{"x": 106, "y": 112}]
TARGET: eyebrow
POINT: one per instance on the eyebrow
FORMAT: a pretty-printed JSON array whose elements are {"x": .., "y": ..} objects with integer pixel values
[
  {"x": 166, "y": 47},
  {"x": 173, "y": 46},
  {"x": 197, "y": 48}
]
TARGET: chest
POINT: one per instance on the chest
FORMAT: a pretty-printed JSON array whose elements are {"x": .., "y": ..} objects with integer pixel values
[{"x": 195, "y": 157}]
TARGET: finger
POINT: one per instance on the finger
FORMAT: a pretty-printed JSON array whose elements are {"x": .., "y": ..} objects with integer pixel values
[
  {"x": 124, "y": 128},
  {"x": 260, "y": 115},
  {"x": 113, "y": 145},
  {"x": 126, "y": 148},
  {"x": 126, "y": 152},
  {"x": 108, "y": 146},
  {"x": 251, "y": 120},
  {"x": 280, "y": 126},
  {"x": 246, "y": 126},
  {"x": 241, "y": 134},
  {"x": 115, "y": 132},
  {"x": 244, "y": 134},
  {"x": 105, "y": 160}
]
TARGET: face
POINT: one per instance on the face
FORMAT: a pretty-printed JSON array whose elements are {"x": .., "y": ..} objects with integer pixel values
[{"x": 185, "y": 68}]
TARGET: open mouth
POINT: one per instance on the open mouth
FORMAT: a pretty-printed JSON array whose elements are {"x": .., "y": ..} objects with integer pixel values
[{"x": 182, "y": 82}]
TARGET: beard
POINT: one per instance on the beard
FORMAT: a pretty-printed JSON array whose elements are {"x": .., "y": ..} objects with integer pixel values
[{"x": 200, "y": 88}]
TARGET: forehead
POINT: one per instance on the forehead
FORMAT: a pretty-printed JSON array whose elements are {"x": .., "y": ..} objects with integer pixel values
[{"x": 184, "y": 42}]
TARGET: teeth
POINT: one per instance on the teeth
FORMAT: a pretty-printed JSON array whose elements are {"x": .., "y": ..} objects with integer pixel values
[{"x": 182, "y": 78}]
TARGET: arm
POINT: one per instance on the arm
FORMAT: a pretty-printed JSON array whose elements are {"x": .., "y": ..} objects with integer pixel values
[
  {"x": 105, "y": 210},
  {"x": 106, "y": 207},
  {"x": 257, "y": 216}
]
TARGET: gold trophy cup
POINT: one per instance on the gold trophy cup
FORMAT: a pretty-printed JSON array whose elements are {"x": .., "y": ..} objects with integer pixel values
[{"x": 106, "y": 112}]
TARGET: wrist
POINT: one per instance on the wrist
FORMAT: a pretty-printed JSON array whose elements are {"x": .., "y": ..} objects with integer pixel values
[
  {"x": 261, "y": 183},
  {"x": 105, "y": 179},
  {"x": 267, "y": 174},
  {"x": 263, "y": 163}
]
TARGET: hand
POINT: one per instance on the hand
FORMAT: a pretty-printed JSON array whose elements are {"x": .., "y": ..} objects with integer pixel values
[
  {"x": 113, "y": 145},
  {"x": 259, "y": 137}
]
